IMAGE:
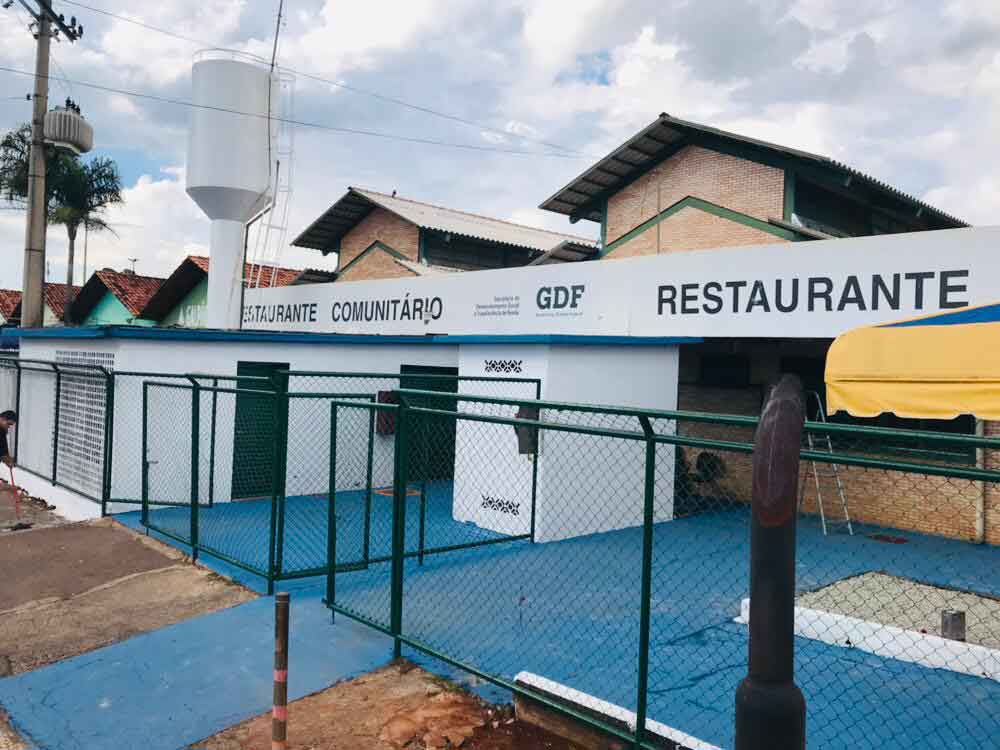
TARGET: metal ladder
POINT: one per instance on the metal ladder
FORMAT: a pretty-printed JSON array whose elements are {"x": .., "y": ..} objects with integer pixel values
[{"x": 830, "y": 470}]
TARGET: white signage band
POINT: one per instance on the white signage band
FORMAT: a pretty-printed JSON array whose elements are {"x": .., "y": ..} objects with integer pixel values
[{"x": 815, "y": 289}]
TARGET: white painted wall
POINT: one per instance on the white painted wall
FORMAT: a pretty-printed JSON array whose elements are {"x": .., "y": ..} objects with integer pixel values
[
  {"x": 493, "y": 480},
  {"x": 589, "y": 484},
  {"x": 586, "y": 484},
  {"x": 170, "y": 447}
]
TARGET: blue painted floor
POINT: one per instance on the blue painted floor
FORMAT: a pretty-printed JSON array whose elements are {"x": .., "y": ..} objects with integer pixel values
[
  {"x": 166, "y": 689},
  {"x": 566, "y": 610},
  {"x": 569, "y": 611}
]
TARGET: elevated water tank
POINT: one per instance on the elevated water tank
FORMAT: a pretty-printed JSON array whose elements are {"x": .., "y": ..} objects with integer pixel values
[{"x": 228, "y": 167}]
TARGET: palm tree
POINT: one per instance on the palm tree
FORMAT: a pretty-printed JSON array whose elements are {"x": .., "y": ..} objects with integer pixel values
[
  {"x": 87, "y": 189},
  {"x": 76, "y": 193}
]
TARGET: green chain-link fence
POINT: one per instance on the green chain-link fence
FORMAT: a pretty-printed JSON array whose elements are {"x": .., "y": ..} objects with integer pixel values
[
  {"x": 593, "y": 558},
  {"x": 620, "y": 591},
  {"x": 260, "y": 495}
]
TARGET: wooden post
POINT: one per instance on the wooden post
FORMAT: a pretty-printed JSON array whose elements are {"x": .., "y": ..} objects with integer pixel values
[
  {"x": 279, "y": 714},
  {"x": 770, "y": 709}
]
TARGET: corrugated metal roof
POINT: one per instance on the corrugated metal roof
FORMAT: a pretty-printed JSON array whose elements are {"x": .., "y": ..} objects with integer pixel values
[
  {"x": 664, "y": 135},
  {"x": 325, "y": 232}
]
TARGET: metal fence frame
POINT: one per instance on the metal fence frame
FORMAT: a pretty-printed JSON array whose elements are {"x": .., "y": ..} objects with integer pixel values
[
  {"x": 275, "y": 387},
  {"x": 639, "y": 736},
  {"x": 59, "y": 370}
]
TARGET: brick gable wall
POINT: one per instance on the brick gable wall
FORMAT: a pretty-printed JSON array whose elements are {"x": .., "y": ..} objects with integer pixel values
[
  {"x": 386, "y": 227},
  {"x": 378, "y": 264},
  {"x": 692, "y": 229},
  {"x": 738, "y": 184}
]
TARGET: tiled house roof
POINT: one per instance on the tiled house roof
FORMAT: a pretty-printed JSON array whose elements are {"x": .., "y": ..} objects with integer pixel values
[
  {"x": 132, "y": 290},
  {"x": 56, "y": 296},
  {"x": 194, "y": 269},
  {"x": 10, "y": 299},
  {"x": 258, "y": 275}
]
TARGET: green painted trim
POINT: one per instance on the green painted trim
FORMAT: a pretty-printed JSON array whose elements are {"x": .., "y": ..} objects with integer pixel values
[
  {"x": 789, "y": 202},
  {"x": 604, "y": 224},
  {"x": 376, "y": 245},
  {"x": 711, "y": 208}
]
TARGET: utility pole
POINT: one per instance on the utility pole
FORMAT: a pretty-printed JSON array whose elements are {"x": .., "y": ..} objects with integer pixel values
[
  {"x": 34, "y": 243},
  {"x": 32, "y": 305}
]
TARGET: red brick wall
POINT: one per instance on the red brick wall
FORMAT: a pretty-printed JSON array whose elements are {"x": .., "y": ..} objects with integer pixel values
[
  {"x": 738, "y": 184},
  {"x": 991, "y": 460},
  {"x": 387, "y": 228},
  {"x": 692, "y": 229},
  {"x": 941, "y": 506}
]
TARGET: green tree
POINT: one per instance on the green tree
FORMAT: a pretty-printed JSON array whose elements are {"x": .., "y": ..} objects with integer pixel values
[
  {"x": 15, "y": 148},
  {"x": 77, "y": 193}
]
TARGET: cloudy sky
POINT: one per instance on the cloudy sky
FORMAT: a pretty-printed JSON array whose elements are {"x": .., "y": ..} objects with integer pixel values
[{"x": 908, "y": 90}]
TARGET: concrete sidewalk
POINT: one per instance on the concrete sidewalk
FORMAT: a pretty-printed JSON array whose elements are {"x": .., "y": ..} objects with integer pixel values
[{"x": 166, "y": 689}]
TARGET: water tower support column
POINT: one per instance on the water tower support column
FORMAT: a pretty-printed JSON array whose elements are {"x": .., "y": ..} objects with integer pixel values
[{"x": 225, "y": 279}]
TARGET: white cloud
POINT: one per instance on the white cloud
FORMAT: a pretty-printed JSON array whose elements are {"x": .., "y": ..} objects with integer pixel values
[
  {"x": 145, "y": 56},
  {"x": 907, "y": 91}
]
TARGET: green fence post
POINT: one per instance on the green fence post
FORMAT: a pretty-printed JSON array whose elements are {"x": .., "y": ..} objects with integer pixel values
[
  {"x": 425, "y": 457},
  {"x": 331, "y": 519},
  {"x": 109, "y": 438},
  {"x": 211, "y": 445},
  {"x": 368, "y": 485},
  {"x": 55, "y": 424},
  {"x": 195, "y": 445},
  {"x": 17, "y": 405},
  {"x": 281, "y": 457},
  {"x": 402, "y": 446},
  {"x": 649, "y": 497},
  {"x": 144, "y": 489},
  {"x": 534, "y": 463}
]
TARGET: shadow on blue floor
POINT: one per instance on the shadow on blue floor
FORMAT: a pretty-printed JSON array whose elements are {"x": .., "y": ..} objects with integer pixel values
[{"x": 241, "y": 530}]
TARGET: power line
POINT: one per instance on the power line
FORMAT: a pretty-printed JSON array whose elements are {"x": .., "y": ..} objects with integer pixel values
[
  {"x": 300, "y": 123},
  {"x": 344, "y": 86}
]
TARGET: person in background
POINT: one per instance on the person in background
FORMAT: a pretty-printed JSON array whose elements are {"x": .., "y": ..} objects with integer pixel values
[{"x": 8, "y": 419}]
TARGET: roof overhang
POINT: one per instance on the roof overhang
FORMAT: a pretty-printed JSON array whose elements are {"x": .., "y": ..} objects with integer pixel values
[
  {"x": 935, "y": 367},
  {"x": 584, "y": 196},
  {"x": 325, "y": 233},
  {"x": 567, "y": 252}
]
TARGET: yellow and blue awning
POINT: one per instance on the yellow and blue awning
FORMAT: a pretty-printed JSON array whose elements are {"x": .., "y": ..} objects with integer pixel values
[{"x": 936, "y": 367}]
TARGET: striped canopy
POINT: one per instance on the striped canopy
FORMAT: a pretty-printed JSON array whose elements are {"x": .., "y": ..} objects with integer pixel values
[{"x": 937, "y": 367}]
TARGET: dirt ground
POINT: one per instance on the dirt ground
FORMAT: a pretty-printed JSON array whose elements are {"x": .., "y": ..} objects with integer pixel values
[
  {"x": 398, "y": 706},
  {"x": 35, "y": 513},
  {"x": 73, "y": 588}
]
